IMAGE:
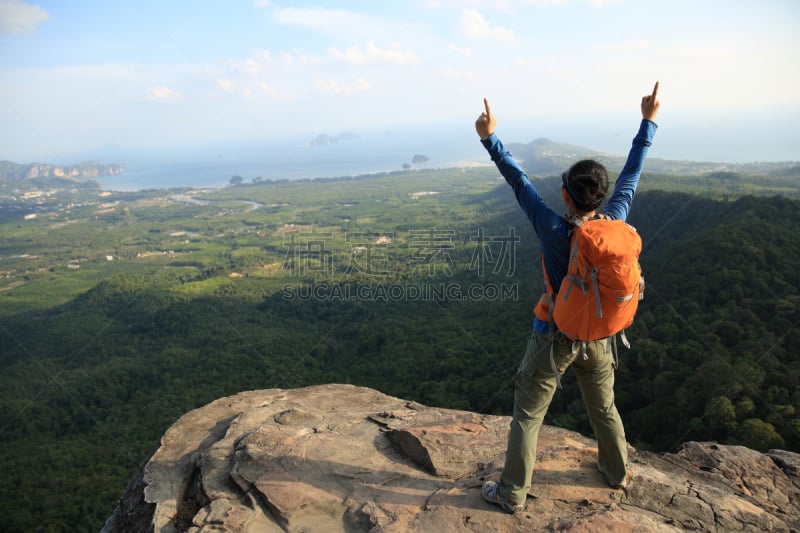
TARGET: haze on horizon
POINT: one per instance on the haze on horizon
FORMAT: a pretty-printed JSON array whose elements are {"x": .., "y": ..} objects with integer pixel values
[{"x": 80, "y": 76}]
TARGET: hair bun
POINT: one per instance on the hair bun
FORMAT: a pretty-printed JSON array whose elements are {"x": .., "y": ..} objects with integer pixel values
[{"x": 588, "y": 184}]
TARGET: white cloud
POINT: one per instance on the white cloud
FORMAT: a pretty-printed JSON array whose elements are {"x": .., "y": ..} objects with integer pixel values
[
  {"x": 548, "y": 3},
  {"x": 161, "y": 94},
  {"x": 623, "y": 47},
  {"x": 261, "y": 3},
  {"x": 252, "y": 67},
  {"x": 553, "y": 65},
  {"x": 333, "y": 21},
  {"x": 359, "y": 84},
  {"x": 494, "y": 5},
  {"x": 263, "y": 63},
  {"x": 225, "y": 84},
  {"x": 350, "y": 26},
  {"x": 287, "y": 58},
  {"x": 603, "y": 3},
  {"x": 459, "y": 74},
  {"x": 273, "y": 92},
  {"x": 371, "y": 54},
  {"x": 295, "y": 58},
  {"x": 233, "y": 88},
  {"x": 460, "y": 50},
  {"x": 475, "y": 26},
  {"x": 268, "y": 89},
  {"x": 18, "y": 17}
]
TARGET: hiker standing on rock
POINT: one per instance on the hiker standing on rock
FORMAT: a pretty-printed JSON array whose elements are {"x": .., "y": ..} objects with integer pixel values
[{"x": 550, "y": 350}]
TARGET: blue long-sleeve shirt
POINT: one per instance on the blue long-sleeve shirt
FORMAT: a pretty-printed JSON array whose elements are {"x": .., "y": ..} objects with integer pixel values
[{"x": 553, "y": 229}]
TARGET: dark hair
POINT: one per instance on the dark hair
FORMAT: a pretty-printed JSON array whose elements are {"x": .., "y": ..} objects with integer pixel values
[{"x": 587, "y": 184}]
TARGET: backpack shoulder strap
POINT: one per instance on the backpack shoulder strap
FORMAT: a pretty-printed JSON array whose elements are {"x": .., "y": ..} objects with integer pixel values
[{"x": 578, "y": 220}]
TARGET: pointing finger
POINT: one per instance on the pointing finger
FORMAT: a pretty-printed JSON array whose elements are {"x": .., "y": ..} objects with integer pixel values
[
  {"x": 655, "y": 91},
  {"x": 488, "y": 109}
]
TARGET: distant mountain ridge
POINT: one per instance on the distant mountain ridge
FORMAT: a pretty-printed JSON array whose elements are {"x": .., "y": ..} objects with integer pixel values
[{"x": 545, "y": 157}]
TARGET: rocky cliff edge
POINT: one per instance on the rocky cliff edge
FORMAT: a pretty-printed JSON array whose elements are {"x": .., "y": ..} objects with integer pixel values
[{"x": 344, "y": 458}]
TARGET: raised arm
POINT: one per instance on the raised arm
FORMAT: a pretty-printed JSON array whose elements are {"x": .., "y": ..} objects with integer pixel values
[
  {"x": 650, "y": 105},
  {"x": 541, "y": 216},
  {"x": 619, "y": 204},
  {"x": 485, "y": 123}
]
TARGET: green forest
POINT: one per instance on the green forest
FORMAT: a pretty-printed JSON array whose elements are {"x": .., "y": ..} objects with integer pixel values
[{"x": 121, "y": 311}]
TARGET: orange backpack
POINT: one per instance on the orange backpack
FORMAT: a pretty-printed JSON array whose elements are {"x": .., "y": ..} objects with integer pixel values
[{"x": 601, "y": 291}]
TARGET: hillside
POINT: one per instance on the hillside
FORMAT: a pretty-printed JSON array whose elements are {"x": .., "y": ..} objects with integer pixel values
[{"x": 122, "y": 312}]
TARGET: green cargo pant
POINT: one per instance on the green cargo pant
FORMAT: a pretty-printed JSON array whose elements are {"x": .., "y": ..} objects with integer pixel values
[{"x": 535, "y": 385}]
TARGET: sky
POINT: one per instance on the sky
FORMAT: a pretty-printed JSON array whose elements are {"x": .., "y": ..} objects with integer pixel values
[{"x": 82, "y": 76}]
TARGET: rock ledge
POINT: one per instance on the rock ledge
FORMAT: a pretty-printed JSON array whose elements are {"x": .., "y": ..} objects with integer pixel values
[{"x": 344, "y": 458}]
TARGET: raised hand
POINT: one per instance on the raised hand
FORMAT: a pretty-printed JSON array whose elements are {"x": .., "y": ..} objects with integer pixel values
[
  {"x": 650, "y": 105},
  {"x": 486, "y": 122}
]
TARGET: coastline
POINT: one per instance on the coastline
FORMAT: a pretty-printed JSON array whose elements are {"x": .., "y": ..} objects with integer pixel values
[{"x": 180, "y": 174}]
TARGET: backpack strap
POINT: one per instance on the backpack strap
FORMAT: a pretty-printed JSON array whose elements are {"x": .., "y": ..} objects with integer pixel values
[
  {"x": 614, "y": 352},
  {"x": 624, "y": 339},
  {"x": 598, "y": 306},
  {"x": 583, "y": 349},
  {"x": 553, "y": 363},
  {"x": 573, "y": 280},
  {"x": 575, "y": 345},
  {"x": 578, "y": 220},
  {"x": 615, "y": 349}
]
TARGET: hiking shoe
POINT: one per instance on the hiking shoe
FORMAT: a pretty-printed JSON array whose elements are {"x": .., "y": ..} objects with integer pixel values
[
  {"x": 489, "y": 492},
  {"x": 622, "y": 485}
]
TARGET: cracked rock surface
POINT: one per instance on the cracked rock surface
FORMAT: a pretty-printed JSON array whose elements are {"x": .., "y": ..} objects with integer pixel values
[{"x": 342, "y": 458}]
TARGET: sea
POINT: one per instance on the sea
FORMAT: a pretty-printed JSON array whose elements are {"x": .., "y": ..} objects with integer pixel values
[
  {"x": 209, "y": 165},
  {"x": 214, "y": 166}
]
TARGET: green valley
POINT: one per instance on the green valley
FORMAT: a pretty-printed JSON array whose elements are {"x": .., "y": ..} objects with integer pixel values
[{"x": 121, "y": 311}]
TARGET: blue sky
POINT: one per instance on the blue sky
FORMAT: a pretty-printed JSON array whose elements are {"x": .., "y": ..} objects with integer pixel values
[{"x": 77, "y": 76}]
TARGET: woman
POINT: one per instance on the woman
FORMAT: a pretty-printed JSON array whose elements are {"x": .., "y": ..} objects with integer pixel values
[{"x": 549, "y": 353}]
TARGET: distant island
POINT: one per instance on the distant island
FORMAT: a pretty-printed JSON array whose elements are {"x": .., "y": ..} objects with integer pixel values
[
  {"x": 34, "y": 176},
  {"x": 323, "y": 139},
  {"x": 92, "y": 169},
  {"x": 418, "y": 159}
]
